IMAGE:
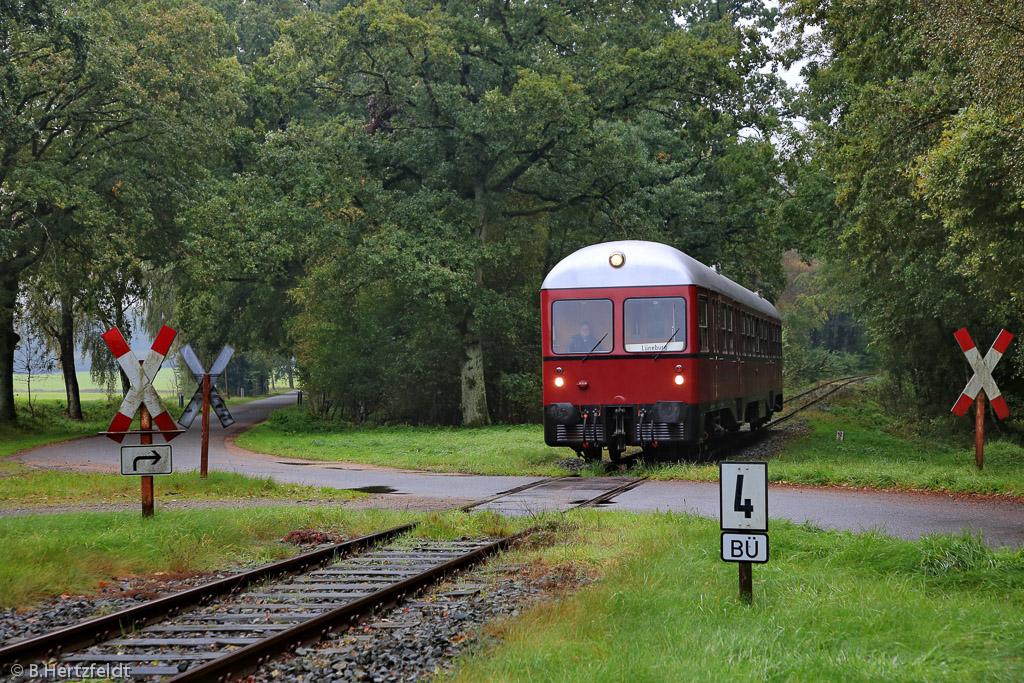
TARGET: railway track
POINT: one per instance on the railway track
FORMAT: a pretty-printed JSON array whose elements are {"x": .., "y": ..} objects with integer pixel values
[
  {"x": 229, "y": 628},
  {"x": 731, "y": 444},
  {"x": 839, "y": 384}
]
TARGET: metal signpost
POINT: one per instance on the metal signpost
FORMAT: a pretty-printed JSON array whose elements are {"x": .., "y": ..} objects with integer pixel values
[
  {"x": 981, "y": 384},
  {"x": 144, "y": 399},
  {"x": 206, "y": 396},
  {"x": 743, "y": 498}
]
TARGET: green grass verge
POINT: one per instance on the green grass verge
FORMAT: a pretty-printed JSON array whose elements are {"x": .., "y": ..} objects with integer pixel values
[
  {"x": 517, "y": 449},
  {"x": 49, "y": 555},
  {"x": 45, "y": 424},
  {"x": 876, "y": 452},
  {"x": 23, "y": 486},
  {"x": 44, "y": 421},
  {"x": 829, "y": 606}
]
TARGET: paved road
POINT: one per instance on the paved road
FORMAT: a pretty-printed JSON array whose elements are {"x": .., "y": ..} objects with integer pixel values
[{"x": 903, "y": 515}]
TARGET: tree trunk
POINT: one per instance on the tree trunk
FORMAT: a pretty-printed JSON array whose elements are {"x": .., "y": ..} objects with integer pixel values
[
  {"x": 474, "y": 389},
  {"x": 474, "y": 392},
  {"x": 126, "y": 384},
  {"x": 8, "y": 340},
  {"x": 66, "y": 341}
]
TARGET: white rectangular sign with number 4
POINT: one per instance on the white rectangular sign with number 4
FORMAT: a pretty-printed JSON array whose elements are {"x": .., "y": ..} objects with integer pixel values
[{"x": 743, "y": 488}]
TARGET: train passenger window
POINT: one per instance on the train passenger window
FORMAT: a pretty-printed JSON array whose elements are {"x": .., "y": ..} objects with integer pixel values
[
  {"x": 581, "y": 326},
  {"x": 730, "y": 339},
  {"x": 702, "y": 321},
  {"x": 655, "y": 325}
]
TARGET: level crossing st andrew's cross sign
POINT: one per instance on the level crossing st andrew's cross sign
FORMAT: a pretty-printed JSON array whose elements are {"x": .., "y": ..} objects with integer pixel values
[
  {"x": 206, "y": 396},
  {"x": 141, "y": 377},
  {"x": 983, "y": 368},
  {"x": 981, "y": 386},
  {"x": 216, "y": 402}
]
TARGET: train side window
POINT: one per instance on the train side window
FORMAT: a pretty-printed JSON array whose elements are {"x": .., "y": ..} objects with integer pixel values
[
  {"x": 727, "y": 325},
  {"x": 747, "y": 348},
  {"x": 715, "y": 327},
  {"x": 580, "y": 326},
  {"x": 654, "y": 324},
  {"x": 702, "y": 321}
]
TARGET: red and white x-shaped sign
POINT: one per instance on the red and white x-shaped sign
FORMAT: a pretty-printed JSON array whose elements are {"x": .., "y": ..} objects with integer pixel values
[
  {"x": 141, "y": 378},
  {"x": 982, "y": 373}
]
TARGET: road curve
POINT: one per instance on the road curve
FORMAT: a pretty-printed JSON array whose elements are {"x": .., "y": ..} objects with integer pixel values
[{"x": 905, "y": 515}]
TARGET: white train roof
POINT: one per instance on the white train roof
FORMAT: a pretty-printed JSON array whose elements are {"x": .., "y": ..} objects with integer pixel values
[{"x": 647, "y": 264}]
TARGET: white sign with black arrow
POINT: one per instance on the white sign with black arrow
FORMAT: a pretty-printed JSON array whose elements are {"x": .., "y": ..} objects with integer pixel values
[{"x": 146, "y": 460}]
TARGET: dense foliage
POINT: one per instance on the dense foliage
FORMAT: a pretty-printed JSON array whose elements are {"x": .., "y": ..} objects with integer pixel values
[
  {"x": 408, "y": 172},
  {"x": 910, "y": 177},
  {"x": 376, "y": 188},
  {"x": 108, "y": 110}
]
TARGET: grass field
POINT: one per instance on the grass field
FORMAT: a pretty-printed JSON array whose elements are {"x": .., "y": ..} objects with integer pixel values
[
  {"x": 875, "y": 453},
  {"x": 517, "y": 449},
  {"x": 829, "y": 606},
  {"x": 52, "y": 385}
]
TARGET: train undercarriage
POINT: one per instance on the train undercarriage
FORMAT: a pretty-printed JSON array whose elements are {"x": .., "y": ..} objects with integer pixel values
[{"x": 665, "y": 430}]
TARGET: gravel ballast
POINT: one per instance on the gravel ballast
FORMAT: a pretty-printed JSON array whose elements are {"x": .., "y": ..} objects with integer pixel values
[{"x": 410, "y": 642}]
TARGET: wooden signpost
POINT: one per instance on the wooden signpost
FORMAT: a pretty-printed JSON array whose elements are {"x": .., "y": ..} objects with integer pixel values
[{"x": 981, "y": 386}]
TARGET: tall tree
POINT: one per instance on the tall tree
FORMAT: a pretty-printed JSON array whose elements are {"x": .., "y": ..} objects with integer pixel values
[
  {"x": 919, "y": 154},
  {"x": 499, "y": 116},
  {"x": 104, "y": 119}
]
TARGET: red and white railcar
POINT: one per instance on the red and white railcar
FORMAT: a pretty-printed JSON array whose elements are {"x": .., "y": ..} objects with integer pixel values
[{"x": 645, "y": 346}]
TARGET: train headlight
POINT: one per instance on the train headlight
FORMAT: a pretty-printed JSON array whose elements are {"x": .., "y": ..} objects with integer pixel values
[
  {"x": 559, "y": 381},
  {"x": 679, "y": 380},
  {"x": 617, "y": 259}
]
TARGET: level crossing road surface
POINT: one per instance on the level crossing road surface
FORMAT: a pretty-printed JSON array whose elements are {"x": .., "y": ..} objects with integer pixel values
[{"x": 905, "y": 515}]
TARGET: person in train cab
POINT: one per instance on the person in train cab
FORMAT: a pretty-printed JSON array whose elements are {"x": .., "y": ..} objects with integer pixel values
[{"x": 584, "y": 342}]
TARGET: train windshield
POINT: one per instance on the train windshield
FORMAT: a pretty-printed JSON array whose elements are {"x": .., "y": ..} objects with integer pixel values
[
  {"x": 581, "y": 326},
  {"x": 655, "y": 325}
]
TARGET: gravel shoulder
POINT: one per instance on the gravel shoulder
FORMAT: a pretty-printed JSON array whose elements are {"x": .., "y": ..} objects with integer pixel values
[{"x": 410, "y": 642}]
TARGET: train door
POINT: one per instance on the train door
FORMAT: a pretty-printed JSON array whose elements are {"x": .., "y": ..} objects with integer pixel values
[
  {"x": 736, "y": 371},
  {"x": 715, "y": 337},
  {"x": 704, "y": 362}
]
